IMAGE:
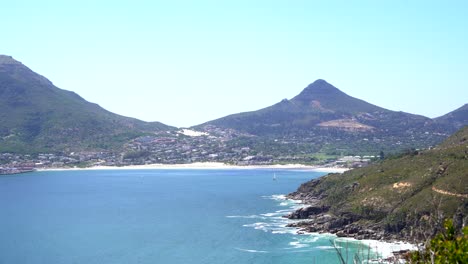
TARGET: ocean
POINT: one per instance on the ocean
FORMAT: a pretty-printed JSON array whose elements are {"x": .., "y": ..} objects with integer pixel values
[{"x": 158, "y": 216}]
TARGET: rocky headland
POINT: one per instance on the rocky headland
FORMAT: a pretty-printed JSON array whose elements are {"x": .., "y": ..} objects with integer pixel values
[
  {"x": 317, "y": 218},
  {"x": 402, "y": 198}
]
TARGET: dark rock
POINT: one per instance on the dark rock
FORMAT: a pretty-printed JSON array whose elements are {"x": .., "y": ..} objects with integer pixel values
[
  {"x": 341, "y": 234},
  {"x": 306, "y": 212}
]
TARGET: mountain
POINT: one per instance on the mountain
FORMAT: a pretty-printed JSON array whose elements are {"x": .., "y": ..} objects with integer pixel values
[
  {"x": 457, "y": 118},
  {"x": 404, "y": 197},
  {"x": 36, "y": 116},
  {"x": 334, "y": 120}
]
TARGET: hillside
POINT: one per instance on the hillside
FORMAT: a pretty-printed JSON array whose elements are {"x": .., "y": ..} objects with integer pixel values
[
  {"x": 317, "y": 126},
  {"x": 328, "y": 119},
  {"x": 457, "y": 118},
  {"x": 403, "y": 197},
  {"x": 36, "y": 116}
]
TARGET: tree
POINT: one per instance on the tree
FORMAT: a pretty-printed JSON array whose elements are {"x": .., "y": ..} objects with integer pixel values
[{"x": 381, "y": 155}]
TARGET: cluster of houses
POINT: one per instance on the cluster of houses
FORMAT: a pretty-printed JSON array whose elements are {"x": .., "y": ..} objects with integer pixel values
[{"x": 179, "y": 147}]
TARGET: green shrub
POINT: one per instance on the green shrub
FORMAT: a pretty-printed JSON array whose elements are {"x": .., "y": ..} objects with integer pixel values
[{"x": 446, "y": 247}]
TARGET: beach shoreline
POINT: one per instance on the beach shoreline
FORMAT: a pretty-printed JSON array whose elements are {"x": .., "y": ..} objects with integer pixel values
[{"x": 203, "y": 166}]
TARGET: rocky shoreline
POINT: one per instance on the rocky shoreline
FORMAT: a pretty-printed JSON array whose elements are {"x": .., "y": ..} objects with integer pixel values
[
  {"x": 10, "y": 171},
  {"x": 317, "y": 218}
]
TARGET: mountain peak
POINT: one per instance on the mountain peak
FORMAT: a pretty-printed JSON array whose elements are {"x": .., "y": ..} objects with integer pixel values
[
  {"x": 4, "y": 59},
  {"x": 319, "y": 81},
  {"x": 321, "y": 86},
  {"x": 319, "y": 90},
  {"x": 17, "y": 70},
  {"x": 321, "y": 95}
]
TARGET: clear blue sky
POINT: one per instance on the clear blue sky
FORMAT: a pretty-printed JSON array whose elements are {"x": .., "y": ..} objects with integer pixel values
[{"x": 187, "y": 62}]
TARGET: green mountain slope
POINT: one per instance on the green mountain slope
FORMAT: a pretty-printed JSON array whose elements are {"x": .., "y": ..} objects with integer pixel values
[
  {"x": 334, "y": 120},
  {"x": 322, "y": 106},
  {"x": 37, "y": 116},
  {"x": 399, "y": 198}
]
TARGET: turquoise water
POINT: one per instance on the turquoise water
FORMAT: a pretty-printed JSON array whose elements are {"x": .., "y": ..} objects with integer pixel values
[{"x": 155, "y": 216}]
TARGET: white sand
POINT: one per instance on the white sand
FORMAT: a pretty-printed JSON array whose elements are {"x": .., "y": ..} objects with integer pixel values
[{"x": 203, "y": 165}]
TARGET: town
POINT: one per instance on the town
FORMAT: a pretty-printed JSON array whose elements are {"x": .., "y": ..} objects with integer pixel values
[{"x": 189, "y": 146}]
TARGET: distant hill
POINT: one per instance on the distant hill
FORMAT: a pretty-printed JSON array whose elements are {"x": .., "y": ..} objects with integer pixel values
[
  {"x": 404, "y": 197},
  {"x": 457, "y": 118},
  {"x": 36, "y": 116},
  {"x": 334, "y": 120}
]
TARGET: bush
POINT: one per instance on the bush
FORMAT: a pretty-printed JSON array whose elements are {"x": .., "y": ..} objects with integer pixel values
[{"x": 446, "y": 247}]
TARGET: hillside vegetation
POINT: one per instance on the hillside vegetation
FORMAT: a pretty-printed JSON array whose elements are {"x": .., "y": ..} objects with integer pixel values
[
  {"x": 37, "y": 116},
  {"x": 323, "y": 119},
  {"x": 405, "y": 197}
]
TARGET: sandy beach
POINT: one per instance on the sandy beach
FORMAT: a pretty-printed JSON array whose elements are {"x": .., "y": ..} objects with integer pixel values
[{"x": 204, "y": 165}]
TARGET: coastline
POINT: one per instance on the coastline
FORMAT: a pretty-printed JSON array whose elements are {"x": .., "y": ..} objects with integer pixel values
[
  {"x": 203, "y": 166},
  {"x": 384, "y": 250}
]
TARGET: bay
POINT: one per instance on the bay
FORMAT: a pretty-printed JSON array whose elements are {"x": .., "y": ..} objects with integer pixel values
[{"x": 156, "y": 216}]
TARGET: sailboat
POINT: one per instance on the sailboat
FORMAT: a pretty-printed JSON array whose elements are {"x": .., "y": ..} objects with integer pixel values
[{"x": 274, "y": 176}]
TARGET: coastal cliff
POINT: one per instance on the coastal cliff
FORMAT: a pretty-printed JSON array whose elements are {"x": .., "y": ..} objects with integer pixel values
[{"x": 400, "y": 198}]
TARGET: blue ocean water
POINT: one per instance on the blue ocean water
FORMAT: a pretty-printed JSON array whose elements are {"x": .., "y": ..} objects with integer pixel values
[{"x": 155, "y": 216}]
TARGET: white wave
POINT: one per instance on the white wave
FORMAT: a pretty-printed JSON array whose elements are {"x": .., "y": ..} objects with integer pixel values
[
  {"x": 258, "y": 226},
  {"x": 327, "y": 247},
  {"x": 254, "y": 224},
  {"x": 279, "y": 196},
  {"x": 380, "y": 248},
  {"x": 269, "y": 214},
  {"x": 295, "y": 201},
  {"x": 283, "y": 211},
  {"x": 301, "y": 251},
  {"x": 297, "y": 244},
  {"x": 385, "y": 249},
  {"x": 246, "y": 216},
  {"x": 282, "y": 229},
  {"x": 286, "y": 230},
  {"x": 310, "y": 239},
  {"x": 252, "y": 250},
  {"x": 276, "y": 197}
]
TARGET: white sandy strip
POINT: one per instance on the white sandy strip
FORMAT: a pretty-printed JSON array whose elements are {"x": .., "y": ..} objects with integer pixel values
[{"x": 203, "y": 165}]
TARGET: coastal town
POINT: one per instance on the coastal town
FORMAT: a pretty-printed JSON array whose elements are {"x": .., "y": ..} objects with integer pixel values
[{"x": 177, "y": 147}]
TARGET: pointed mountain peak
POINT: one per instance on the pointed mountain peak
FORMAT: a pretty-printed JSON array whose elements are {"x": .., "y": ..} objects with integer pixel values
[
  {"x": 321, "y": 86},
  {"x": 322, "y": 96},
  {"x": 4, "y": 59},
  {"x": 320, "y": 89},
  {"x": 319, "y": 82}
]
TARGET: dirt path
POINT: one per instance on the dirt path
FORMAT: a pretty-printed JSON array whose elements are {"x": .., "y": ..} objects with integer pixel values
[{"x": 449, "y": 193}]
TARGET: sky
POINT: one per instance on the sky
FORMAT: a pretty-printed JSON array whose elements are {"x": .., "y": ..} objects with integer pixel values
[{"x": 184, "y": 63}]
